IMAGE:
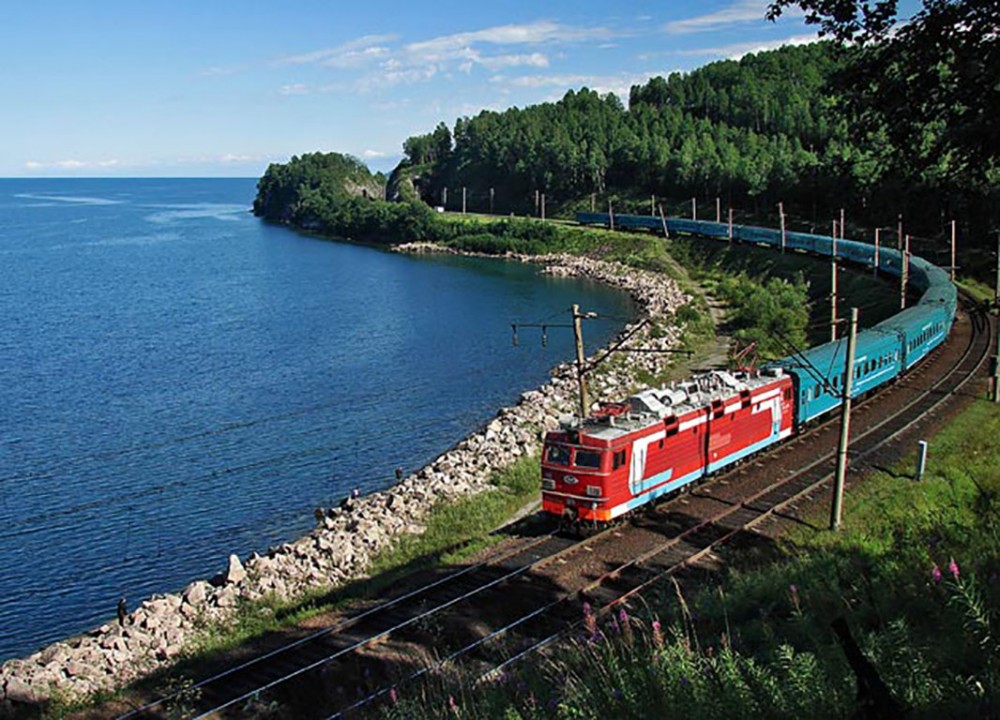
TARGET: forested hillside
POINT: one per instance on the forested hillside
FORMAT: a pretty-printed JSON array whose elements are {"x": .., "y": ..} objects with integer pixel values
[
  {"x": 303, "y": 190},
  {"x": 770, "y": 127},
  {"x": 752, "y": 130}
]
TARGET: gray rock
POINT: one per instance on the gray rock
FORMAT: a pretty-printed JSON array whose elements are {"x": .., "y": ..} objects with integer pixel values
[
  {"x": 235, "y": 573},
  {"x": 196, "y": 592}
]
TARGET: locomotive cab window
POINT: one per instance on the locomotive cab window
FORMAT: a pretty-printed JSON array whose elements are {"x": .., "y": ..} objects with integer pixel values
[
  {"x": 587, "y": 459},
  {"x": 618, "y": 459},
  {"x": 557, "y": 455}
]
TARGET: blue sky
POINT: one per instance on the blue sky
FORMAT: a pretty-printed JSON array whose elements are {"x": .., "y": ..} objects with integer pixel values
[{"x": 222, "y": 87}]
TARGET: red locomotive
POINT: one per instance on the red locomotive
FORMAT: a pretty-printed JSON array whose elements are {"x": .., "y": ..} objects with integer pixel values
[{"x": 625, "y": 455}]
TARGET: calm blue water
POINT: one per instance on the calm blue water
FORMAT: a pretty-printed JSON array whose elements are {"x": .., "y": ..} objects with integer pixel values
[{"x": 180, "y": 381}]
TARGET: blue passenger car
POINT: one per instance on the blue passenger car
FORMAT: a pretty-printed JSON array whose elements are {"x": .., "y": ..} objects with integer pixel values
[{"x": 818, "y": 373}]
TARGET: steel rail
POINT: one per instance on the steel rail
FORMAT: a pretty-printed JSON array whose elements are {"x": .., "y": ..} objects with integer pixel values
[{"x": 337, "y": 627}]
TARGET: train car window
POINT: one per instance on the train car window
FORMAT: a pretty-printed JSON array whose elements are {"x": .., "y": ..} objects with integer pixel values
[
  {"x": 557, "y": 455},
  {"x": 587, "y": 459},
  {"x": 619, "y": 459}
]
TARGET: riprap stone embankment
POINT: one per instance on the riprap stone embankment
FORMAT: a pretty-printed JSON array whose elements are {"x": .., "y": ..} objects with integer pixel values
[{"x": 345, "y": 541}]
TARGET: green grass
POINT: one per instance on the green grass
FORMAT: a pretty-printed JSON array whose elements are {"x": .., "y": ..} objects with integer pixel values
[
  {"x": 461, "y": 528},
  {"x": 979, "y": 290}
]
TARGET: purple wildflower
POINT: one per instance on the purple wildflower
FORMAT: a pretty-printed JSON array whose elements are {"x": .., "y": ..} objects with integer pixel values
[
  {"x": 657, "y": 635},
  {"x": 452, "y": 705},
  {"x": 590, "y": 621},
  {"x": 936, "y": 573},
  {"x": 953, "y": 568},
  {"x": 393, "y": 696},
  {"x": 626, "y": 626}
]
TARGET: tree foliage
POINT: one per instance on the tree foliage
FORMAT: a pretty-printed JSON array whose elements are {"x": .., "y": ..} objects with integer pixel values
[
  {"x": 294, "y": 191},
  {"x": 929, "y": 89},
  {"x": 749, "y": 129}
]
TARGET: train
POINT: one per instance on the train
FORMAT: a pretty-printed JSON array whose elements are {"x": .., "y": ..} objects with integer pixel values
[{"x": 598, "y": 469}]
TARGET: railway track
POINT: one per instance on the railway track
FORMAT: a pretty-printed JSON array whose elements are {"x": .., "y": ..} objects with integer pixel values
[{"x": 528, "y": 596}]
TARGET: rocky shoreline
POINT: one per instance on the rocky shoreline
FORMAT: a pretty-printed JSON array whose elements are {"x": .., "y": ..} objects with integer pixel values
[{"x": 346, "y": 540}]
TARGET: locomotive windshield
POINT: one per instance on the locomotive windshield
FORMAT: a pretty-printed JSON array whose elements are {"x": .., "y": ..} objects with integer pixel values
[
  {"x": 587, "y": 459},
  {"x": 557, "y": 455}
]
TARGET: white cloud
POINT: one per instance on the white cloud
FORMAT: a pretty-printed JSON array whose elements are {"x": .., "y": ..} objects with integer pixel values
[
  {"x": 384, "y": 64},
  {"x": 735, "y": 51},
  {"x": 352, "y": 53},
  {"x": 738, "y": 12},
  {"x": 395, "y": 75},
  {"x": 620, "y": 84},
  {"x": 369, "y": 154},
  {"x": 497, "y": 62},
  {"x": 295, "y": 89},
  {"x": 229, "y": 158},
  {"x": 72, "y": 164},
  {"x": 536, "y": 33}
]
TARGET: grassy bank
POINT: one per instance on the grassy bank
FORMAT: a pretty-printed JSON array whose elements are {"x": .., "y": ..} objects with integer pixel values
[{"x": 915, "y": 572}]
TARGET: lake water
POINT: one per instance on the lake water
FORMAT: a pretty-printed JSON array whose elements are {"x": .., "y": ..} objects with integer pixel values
[{"x": 181, "y": 381}]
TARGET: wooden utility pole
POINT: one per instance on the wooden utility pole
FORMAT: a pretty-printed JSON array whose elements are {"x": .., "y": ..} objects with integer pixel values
[
  {"x": 875, "y": 264},
  {"x": 842, "y": 228},
  {"x": 899, "y": 233},
  {"x": 904, "y": 276},
  {"x": 536, "y": 201},
  {"x": 718, "y": 209},
  {"x": 491, "y": 201},
  {"x": 781, "y": 214},
  {"x": 463, "y": 199},
  {"x": 663, "y": 219},
  {"x": 833, "y": 298},
  {"x": 593, "y": 202},
  {"x": 652, "y": 205},
  {"x": 845, "y": 425},
  {"x": 996, "y": 292},
  {"x": 543, "y": 206},
  {"x": 578, "y": 335},
  {"x": 730, "y": 224},
  {"x": 996, "y": 371},
  {"x": 694, "y": 208},
  {"x": 953, "y": 233},
  {"x": 444, "y": 198},
  {"x": 611, "y": 216}
]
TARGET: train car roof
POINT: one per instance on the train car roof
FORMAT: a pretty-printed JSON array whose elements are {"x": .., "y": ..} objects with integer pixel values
[{"x": 654, "y": 405}]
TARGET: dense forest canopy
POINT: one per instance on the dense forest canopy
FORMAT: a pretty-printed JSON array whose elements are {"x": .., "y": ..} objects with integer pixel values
[
  {"x": 749, "y": 129},
  {"x": 296, "y": 191},
  {"x": 818, "y": 127}
]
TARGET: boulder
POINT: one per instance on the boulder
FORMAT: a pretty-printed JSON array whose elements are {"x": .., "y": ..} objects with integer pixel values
[
  {"x": 235, "y": 573},
  {"x": 196, "y": 592}
]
